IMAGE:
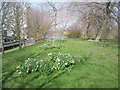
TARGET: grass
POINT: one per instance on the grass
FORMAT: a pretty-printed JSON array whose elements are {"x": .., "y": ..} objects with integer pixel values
[{"x": 99, "y": 71}]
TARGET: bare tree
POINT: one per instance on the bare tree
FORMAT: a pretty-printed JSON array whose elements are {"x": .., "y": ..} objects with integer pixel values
[
  {"x": 4, "y": 22},
  {"x": 38, "y": 22},
  {"x": 18, "y": 23},
  {"x": 98, "y": 15},
  {"x": 12, "y": 21}
]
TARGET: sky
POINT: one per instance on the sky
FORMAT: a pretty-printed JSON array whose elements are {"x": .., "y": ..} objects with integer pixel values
[
  {"x": 59, "y": 0},
  {"x": 61, "y": 16}
]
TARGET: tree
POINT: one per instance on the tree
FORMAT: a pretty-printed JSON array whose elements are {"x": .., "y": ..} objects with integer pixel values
[
  {"x": 18, "y": 22},
  {"x": 4, "y": 21},
  {"x": 99, "y": 16},
  {"x": 119, "y": 20},
  {"x": 13, "y": 21},
  {"x": 38, "y": 22}
]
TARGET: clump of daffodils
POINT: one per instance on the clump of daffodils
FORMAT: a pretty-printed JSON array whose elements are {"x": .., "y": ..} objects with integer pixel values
[
  {"x": 51, "y": 46},
  {"x": 62, "y": 60},
  {"x": 33, "y": 65},
  {"x": 56, "y": 61}
]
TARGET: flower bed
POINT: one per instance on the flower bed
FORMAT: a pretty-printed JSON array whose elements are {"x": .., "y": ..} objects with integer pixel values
[
  {"x": 61, "y": 40},
  {"x": 51, "y": 46},
  {"x": 34, "y": 65},
  {"x": 56, "y": 61}
]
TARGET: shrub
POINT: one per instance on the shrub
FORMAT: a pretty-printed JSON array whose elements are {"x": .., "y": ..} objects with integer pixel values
[{"x": 103, "y": 40}]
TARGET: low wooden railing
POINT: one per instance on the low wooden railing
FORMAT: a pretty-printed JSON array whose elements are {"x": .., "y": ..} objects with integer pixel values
[{"x": 9, "y": 44}]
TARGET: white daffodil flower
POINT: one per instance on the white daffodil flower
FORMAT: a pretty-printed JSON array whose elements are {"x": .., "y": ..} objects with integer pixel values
[
  {"x": 58, "y": 59},
  {"x": 36, "y": 62},
  {"x": 19, "y": 73},
  {"x": 49, "y": 54},
  {"x": 65, "y": 63},
  {"x": 18, "y": 66}
]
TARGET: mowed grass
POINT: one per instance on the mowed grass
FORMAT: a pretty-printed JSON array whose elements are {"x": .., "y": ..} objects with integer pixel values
[{"x": 100, "y": 70}]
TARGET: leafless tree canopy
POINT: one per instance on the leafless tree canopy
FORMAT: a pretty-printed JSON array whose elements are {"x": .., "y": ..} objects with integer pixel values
[
  {"x": 81, "y": 20},
  {"x": 38, "y": 22},
  {"x": 97, "y": 17}
]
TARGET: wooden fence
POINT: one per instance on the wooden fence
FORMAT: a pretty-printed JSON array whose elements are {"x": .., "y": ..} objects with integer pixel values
[{"x": 10, "y": 45}]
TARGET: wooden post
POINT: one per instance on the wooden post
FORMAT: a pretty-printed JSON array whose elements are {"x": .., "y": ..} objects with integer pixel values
[
  {"x": 118, "y": 22},
  {"x": 19, "y": 44},
  {"x": 2, "y": 47}
]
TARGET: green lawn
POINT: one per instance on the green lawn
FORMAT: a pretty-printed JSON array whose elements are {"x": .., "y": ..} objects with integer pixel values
[{"x": 99, "y": 71}]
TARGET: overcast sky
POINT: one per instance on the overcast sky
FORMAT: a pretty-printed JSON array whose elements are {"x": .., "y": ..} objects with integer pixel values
[{"x": 62, "y": 15}]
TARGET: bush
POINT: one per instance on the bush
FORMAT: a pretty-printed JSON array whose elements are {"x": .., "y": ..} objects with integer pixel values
[
  {"x": 103, "y": 40},
  {"x": 74, "y": 34}
]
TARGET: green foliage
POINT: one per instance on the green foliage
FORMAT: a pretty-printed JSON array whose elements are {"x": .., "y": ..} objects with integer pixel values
[
  {"x": 61, "y": 40},
  {"x": 103, "y": 40},
  {"x": 87, "y": 39},
  {"x": 51, "y": 46},
  {"x": 67, "y": 58},
  {"x": 104, "y": 45},
  {"x": 62, "y": 60},
  {"x": 99, "y": 71},
  {"x": 34, "y": 65},
  {"x": 56, "y": 61}
]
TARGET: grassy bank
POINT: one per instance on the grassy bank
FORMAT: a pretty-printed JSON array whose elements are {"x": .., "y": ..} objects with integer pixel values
[{"x": 99, "y": 71}]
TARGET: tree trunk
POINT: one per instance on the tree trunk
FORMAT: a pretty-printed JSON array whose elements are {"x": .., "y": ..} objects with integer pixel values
[
  {"x": 36, "y": 40},
  {"x": 87, "y": 35},
  {"x": 84, "y": 34},
  {"x": 19, "y": 43},
  {"x": 2, "y": 48},
  {"x": 98, "y": 37},
  {"x": 24, "y": 42},
  {"x": 119, "y": 22},
  {"x": 105, "y": 23},
  {"x": 2, "y": 23}
]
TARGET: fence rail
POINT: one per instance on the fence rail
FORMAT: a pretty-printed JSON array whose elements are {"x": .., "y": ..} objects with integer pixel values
[
  {"x": 9, "y": 45},
  {"x": 4, "y": 43}
]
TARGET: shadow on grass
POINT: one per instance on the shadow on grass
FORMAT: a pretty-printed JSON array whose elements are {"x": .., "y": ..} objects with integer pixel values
[
  {"x": 34, "y": 55},
  {"x": 56, "y": 76},
  {"x": 24, "y": 84},
  {"x": 7, "y": 76}
]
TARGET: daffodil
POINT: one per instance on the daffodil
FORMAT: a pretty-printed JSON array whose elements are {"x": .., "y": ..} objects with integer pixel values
[
  {"x": 18, "y": 66},
  {"x": 19, "y": 73},
  {"x": 66, "y": 63}
]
